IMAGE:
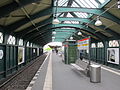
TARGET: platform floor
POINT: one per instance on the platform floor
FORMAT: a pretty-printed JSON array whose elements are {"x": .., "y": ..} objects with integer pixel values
[{"x": 60, "y": 76}]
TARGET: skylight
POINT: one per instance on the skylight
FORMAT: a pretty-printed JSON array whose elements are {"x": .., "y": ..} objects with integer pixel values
[
  {"x": 101, "y": 1},
  {"x": 71, "y": 22}
]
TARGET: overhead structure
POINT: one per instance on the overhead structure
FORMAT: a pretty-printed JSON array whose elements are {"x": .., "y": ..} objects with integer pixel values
[
  {"x": 31, "y": 20},
  {"x": 96, "y": 18}
]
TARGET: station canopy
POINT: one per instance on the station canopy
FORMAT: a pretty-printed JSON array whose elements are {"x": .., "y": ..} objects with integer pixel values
[{"x": 31, "y": 20}]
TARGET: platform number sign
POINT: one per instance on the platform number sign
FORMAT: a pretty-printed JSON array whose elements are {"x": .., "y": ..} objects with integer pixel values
[{"x": 1, "y": 54}]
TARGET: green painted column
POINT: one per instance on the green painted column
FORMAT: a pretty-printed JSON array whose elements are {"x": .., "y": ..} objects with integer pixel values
[
  {"x": 72, "y": 52},
  {"x": 105, "y": 50},
  {"x": 6, "y": 55}
]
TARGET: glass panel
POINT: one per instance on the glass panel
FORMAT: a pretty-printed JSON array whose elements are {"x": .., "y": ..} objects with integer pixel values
[
  {"x": 74, "y": 5},
  {"x": 67, "y": 22},
  {"x": 61, "y": 2},
  {"x": 21, "y": 42},
  {"x": 1, "y": 37},
  {"x": 100, "y": 44},
  {"x": 71, "y": 22},
  {"x": 113, "y": 43},
  {"x": 11, "y": 40},
  {"x": 93, "y": 45},
  {"x": 61, "y": 15},
  {"x": 101, "y": 1},
  {"x": 94, "y": 2},
  {"x": 28, "y": 44},
  {"x": 91, "y": 4},
  {"x": 84, "y": 3},
  {"x": 69, "y": 15},
  {"x": 79, "y": 2},
  {"x": 82, "y": 15},
  {"x": 31, "y": 44}
]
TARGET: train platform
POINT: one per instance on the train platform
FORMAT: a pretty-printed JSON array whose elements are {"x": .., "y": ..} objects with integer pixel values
[{"x": 55, "y": 75}]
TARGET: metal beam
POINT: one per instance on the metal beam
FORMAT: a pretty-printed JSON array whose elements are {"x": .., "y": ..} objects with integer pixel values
[
  {"x": 68, "y": 5},
  {"x": 85, "y": 20},
  {"x": 95, "y": 11},
  {"x": 89, "y": 29},
  {"x": 7, "y": 9}
]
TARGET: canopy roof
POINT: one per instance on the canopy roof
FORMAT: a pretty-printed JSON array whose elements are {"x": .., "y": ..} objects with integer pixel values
[{"x": 31, "y": 20}]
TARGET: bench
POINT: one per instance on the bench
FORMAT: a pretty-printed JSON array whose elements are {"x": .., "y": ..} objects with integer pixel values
[{"x": 81, "y": 66}]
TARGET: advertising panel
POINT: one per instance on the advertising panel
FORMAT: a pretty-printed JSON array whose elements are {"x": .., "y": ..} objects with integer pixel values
[
  {"x": 37, "y": 51},
  {"x": 20, "y": 55},
  {"x": 113, "y": 55}
]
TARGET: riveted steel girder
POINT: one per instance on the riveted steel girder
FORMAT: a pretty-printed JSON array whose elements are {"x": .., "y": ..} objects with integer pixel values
[
  {"x": 89, "y": 10},
  {"x": 85, "y": 20},
  {"x": 87, "y": 29}
]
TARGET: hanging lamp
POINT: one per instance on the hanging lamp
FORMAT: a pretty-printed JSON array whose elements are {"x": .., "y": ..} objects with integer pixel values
[
  {"x": 98, "y": 22},
  {"x": 79, "y": 33},
  {"x": 55, "y": 20}
]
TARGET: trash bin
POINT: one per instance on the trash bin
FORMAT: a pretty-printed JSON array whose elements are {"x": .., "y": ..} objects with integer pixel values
[{"x": 95, "y": 73}]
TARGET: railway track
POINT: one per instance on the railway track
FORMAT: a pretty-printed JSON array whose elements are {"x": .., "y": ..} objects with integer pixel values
[{"x": 21, "y": 79}]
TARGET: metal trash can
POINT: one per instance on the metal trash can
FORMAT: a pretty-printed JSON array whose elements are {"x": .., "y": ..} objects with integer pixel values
[{"x": 95, "y": 73}]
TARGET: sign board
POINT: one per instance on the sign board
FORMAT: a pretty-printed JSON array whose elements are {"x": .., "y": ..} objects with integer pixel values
[
  {"x": 83, "y": 44},
  {"x": 113, "y": 55}
]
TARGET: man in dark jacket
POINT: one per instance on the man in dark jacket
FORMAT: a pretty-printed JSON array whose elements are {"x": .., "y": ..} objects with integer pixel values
[{"x": 81, "y": 55}]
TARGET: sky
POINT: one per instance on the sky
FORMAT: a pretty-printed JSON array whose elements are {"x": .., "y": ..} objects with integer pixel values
[{"x": 46, "y": 47}]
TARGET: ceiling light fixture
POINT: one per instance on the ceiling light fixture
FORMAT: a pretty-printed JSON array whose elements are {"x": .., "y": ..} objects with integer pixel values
[
  {"x": 53, "y": 32},
  {"x": 79, "y": 33},
  {"x": 55, "y": 20},
  {"x": 98, "y": 22},
  {"x": 53, "y": 37},
  {"x": 71, "y": 38}
]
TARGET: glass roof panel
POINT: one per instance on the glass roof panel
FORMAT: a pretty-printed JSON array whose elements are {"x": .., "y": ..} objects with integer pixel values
[
  {"x": 101, "y": 1},
  {"x": 62, "y": 2},
  {"x": 95, "y": 3},
  {"x": 69, "y": 15},
  {"x": 75, "y": 5},
  {"x": 83, "y": 2},
  {"x": 67, "y": 22},
  {"x": 71, "y": 22},
  {"x": 91, "y": 4},
  {"x": 82, "y": 15}
]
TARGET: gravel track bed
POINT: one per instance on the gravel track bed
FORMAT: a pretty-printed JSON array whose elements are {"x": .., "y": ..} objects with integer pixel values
[{"x": 22, "y": 80}]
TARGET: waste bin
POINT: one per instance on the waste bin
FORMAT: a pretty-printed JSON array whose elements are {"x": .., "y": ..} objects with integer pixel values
[{"x": 95, "y": 73}]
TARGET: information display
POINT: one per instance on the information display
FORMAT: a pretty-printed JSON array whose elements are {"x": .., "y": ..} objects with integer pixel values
[{"x": 83, "y": 44}]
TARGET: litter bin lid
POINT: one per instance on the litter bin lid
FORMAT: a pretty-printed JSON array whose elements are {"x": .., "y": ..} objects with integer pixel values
[{"x": 95, "y": 65}]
